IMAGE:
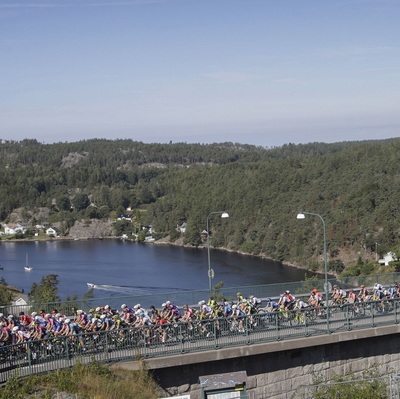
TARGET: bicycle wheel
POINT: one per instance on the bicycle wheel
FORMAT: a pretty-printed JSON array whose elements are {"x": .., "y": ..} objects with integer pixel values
[
  {"x": 311, "y": 314},
  {"x": 297, "y": 320}
]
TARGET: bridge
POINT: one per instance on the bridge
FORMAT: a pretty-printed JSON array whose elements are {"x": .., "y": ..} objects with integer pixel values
[{"x": 250, "y": 357}]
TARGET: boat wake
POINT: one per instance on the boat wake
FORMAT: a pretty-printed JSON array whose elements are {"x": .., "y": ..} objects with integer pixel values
[{"x": 134, "y": 290}]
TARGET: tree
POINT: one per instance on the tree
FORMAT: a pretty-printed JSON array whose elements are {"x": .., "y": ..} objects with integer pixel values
[
  {"x": 92, "y": 212},
  {"x": 46, "y": 291},
  {"x": 5, "y": 295},
  {"x": 80, "y": 202},
  {"x": 64, "y": 203},
  {"x": 122, "y": 227}
]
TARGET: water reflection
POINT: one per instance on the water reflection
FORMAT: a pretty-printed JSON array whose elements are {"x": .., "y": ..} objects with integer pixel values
[{"x": 143, "y": 268}]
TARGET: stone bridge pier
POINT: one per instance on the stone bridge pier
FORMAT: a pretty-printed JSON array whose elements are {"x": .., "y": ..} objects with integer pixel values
[{"x": 275, "y": 370}]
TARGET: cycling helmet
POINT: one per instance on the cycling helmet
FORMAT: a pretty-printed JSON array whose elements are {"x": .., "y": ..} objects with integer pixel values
[
  {"x": 98, "y": 309},
  {"x": 287, "y": 292},
  {"x": 239, "y": 294},
  {"x": 79, "y": 311},
  {"x": 139, "y": 305},
  {"x": 10, "y": 317},
  {"x": 234, "y": 306},
  {"x": 107, "y": 307},
  {"x": 67, "y": 321},
  {"x": 136, "y": 307},
  {"x": 94, "y": 319},
  {"x": 164, "y": 305},
  {"x": 123, "y": 306},
  {"x": 33, "y": 314},
  {"x": 15, "y": 328},
  {"x": 168, "y": 303},
  {"x": 58, "y": 315},
  {"x": 1, "y": 315},
  {"x": 115, "y": 316},
  {"x": 61, "y": 319},
  {"x": 103, "y": 316}
]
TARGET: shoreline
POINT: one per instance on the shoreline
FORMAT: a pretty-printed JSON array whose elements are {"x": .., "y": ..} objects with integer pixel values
[{"x": 161, "y": 241}]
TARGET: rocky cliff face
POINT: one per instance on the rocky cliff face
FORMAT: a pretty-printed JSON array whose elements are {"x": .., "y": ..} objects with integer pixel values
[{"x": 93, "y": 229}]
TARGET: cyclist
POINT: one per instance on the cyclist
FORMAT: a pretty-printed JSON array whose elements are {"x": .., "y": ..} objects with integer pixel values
[
  {"x": 286, "y": 301},
  {"x": 363, "y": 294},
  {"x": 255, "y": 302},
  {"x": 175, "y": 314},
  {"x": 240, "y": 297},
  {"x": 127, "y": 314},
  {"x": 338, "y": 295},
  {"x": 212, "y": 303},
  {"x": 5, "y": 335},
  {"x": 227, "y": 309},
  {"x": 315, "y": 300},
  {"x": 351, "y": 296},
  {"x": 154, "y": 313},
  {"x": 39, "y": 331},
  {"x": 188, "y": 313},
  {"x": 238, "y": 315}
]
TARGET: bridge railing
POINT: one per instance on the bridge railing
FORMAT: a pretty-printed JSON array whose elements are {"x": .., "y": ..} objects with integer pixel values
[
  {"x": 134, "y": 343},
  {"x": 193, "y": 297}
]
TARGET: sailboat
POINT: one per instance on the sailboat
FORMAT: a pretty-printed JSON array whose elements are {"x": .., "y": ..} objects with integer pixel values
[{"x": 27, "y": 267}]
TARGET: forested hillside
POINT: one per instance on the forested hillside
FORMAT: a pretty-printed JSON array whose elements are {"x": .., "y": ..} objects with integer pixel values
[{"x": 353, "y": 186}]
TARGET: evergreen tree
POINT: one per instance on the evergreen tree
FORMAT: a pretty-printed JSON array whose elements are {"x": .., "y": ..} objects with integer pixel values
[{"x": 46, "y": 291}]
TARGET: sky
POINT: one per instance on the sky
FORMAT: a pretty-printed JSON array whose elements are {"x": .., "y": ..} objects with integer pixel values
[{"x": 261, "y": 72}]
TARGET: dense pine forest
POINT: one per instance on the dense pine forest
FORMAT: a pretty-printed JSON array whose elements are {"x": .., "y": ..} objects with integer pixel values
[{"x": 352, "y": 185}]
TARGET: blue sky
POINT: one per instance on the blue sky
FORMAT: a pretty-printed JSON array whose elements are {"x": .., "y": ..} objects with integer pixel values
[{"x": 263, "y": 72}]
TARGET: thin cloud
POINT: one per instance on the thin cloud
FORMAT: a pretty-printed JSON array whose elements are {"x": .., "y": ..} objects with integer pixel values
[
  {"x": 77, "y": 4},
  {"x": 231, "y": 76}
]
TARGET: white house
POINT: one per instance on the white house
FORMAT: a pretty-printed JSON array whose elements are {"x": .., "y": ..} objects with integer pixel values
[
  {"x": 181, "y": 228},
  {"x": 51, "y": 231},
  {"x": 13, "y": 228},
  {"x": 389, "y": 257},
  {"x": 22, "y": 302}
]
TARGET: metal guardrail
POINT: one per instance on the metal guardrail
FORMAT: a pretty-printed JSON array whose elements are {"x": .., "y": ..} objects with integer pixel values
[
  {"x": 193, "y": 297},
  {"x": 135, "y": 343}
]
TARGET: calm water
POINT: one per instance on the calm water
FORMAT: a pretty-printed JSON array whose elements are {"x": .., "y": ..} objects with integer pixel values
[{"x": 121, "y": 268}]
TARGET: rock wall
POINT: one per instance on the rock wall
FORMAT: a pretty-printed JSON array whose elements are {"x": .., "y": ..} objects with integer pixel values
[{"x": 290, "y": 373}]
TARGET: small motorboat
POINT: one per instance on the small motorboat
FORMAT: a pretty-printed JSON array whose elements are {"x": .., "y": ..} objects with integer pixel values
[{"x": 90, "y": 285}]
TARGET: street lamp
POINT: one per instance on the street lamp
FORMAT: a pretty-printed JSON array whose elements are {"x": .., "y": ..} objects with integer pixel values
[
  {"x": 210, "y": 271},
  {"x": 302, "y": 215}
]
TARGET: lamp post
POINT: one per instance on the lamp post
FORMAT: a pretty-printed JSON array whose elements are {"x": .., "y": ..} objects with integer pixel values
[
  {"x": 301, "y": 215},
  {"x": 210, "y": 271}
]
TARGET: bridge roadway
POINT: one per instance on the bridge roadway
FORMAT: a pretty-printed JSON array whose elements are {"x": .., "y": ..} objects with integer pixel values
[{"x": 269, "y": 335}]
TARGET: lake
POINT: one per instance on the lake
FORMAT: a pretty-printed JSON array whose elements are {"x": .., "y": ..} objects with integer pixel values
[{"x": 120, "y": 268}]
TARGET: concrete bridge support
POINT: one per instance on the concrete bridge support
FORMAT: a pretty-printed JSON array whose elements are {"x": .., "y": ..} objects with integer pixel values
[{"x": 281, "y": 369}]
